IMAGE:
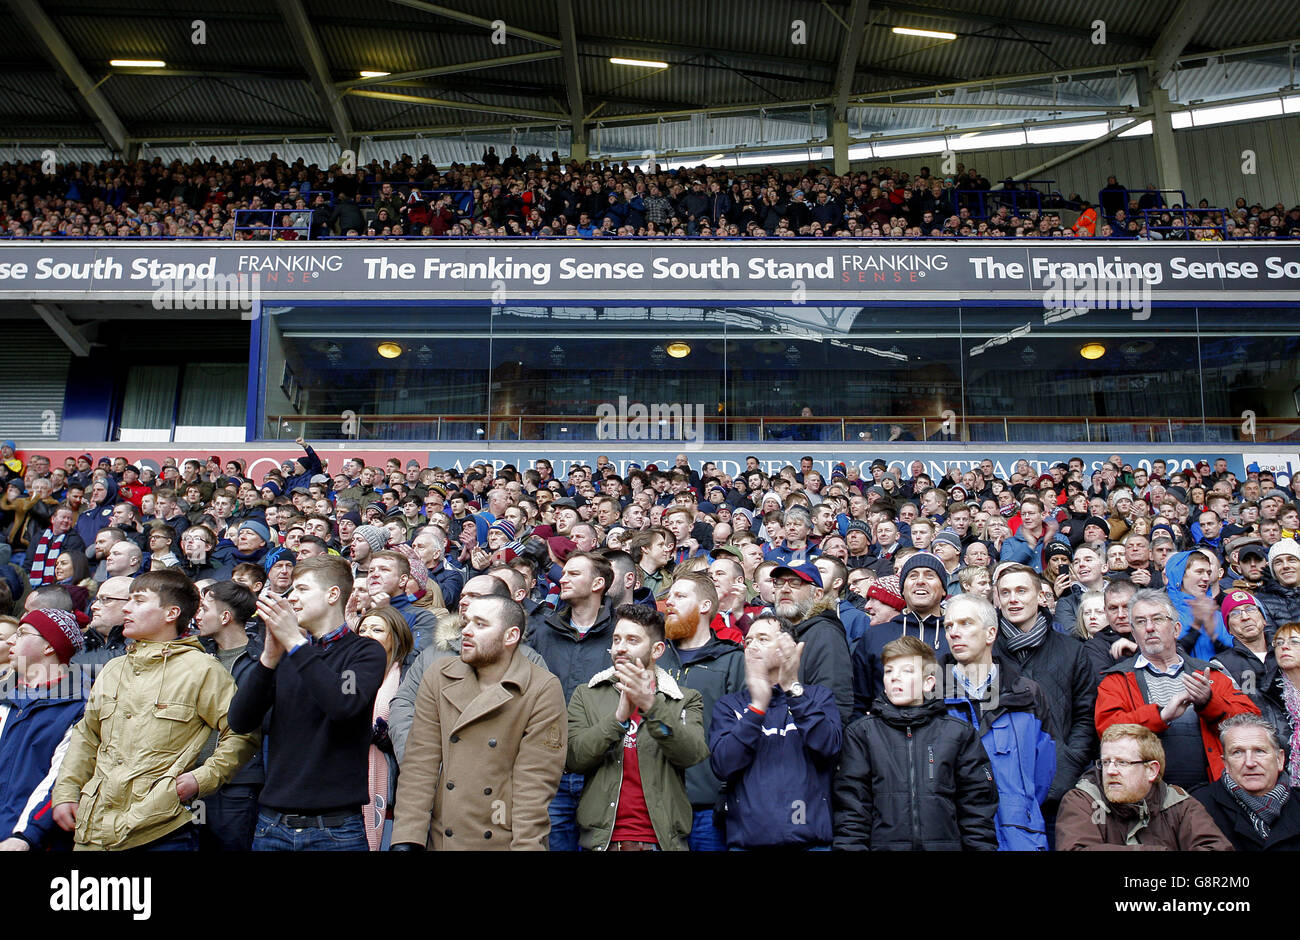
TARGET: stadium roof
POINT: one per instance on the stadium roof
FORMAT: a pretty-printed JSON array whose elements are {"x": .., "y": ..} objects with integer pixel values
[{"x": 741, "y": 73}]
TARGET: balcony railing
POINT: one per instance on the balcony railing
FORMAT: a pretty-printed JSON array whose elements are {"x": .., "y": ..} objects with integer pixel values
[{"x": 858, "y": 429}]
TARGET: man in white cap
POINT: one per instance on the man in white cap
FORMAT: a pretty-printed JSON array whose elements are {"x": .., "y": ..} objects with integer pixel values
[{"x": 1279, "y": 595}]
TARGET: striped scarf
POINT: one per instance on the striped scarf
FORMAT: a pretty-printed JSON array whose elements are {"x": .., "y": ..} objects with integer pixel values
[
  {"x": 1017, "y": 640},
  {"x": 1262, "y": 810},
  {"x": 1291, "y": 698},
  {"x": 46, "y": 557},
  {"x": 378, "y": 772}
]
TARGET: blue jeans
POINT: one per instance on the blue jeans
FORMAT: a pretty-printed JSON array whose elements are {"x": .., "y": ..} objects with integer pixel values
[
  {"x": 230, "y": 817},
  {"x": 705, "y": 836},
  {"x": 273, "y": 836},
  {"x": 184, "y": 839},
  {"x": 564, "y": 813}
]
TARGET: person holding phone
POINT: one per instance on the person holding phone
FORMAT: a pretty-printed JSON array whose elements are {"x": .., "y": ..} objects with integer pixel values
[{"x": 1085, "y": 574}]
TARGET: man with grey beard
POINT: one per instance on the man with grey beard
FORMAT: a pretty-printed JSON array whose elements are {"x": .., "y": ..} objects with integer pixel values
[{"x": 825, "y": 656}]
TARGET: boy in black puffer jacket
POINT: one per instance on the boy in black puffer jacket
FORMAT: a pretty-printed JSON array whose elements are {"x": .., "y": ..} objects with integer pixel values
[{"x": 912, "y": 777}]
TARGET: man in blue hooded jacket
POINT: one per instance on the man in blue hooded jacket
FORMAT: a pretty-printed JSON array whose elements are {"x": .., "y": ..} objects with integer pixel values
[
  {"x": 37, "y": 714},
  {"x": 1189, "y": 577},
  {"x": 99, "y": 513},
  {"x": 1008, "y": 710}
]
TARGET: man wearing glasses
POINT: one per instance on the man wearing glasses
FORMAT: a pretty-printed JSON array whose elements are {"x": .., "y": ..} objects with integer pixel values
[
  {"x": 1254, "y": 803},
  {"x": 1124, "y": 802},
  {"x": 1178, "y": 698},
  {"x": 104, "y": 639}
]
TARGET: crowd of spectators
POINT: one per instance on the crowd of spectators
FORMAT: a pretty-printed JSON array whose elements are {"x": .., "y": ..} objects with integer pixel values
[
  {"x": 526, "y": 196},
  {"x": 666, "y": 657}
]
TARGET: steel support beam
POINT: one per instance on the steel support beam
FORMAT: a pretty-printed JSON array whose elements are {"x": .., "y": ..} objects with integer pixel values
[
  {"x": 1156, "y": 99},
  {"x": 453, "y": 69},
  {"x": 1177, "y": 33},
  {"x": 457, "y": 105},
  {"x": 805, "y": 103},
  {"x": 850, "y": 52},
  {"x": 74, "y": 337},
  {"x": 1168, "y": 170},
  {"x": 473, "y": 20},
  {"x": 312, "y": 56},
  {"x": 1076, "y": 151},
  {"x": 573, "y": 82},
  {"x": 30, "y": 13}
]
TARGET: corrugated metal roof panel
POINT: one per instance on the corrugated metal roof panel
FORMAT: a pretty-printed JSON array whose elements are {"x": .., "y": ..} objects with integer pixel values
[
  {"x": 25, "y": 153},
  {"x": 40, "y": 95},
  {"x": 764, "y": 29},
  {"x": 148, "y": 99},
  {"x": 723, "y": 52},
  {"x": 351, "y": 49},
  {"x": 372, "y": 115},
  {"x": 367, "y": 9},
  {"x": 1255, "y": 76},
  {"x": 258, "y": 42},
  {"x": 1247, "y": 21}
]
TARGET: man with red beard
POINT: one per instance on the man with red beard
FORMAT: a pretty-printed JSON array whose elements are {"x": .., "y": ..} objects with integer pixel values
[
  {"x": 714, "y": 667},
  {"x": 1125, "y": 803}
]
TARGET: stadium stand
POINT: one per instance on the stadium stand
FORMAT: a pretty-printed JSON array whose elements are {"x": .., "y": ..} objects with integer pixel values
[{"x": 409, "y": 198}]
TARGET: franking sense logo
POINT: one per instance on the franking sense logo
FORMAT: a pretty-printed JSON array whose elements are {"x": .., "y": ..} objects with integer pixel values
[
  {"x": 893, "y": 267},
  {"x": 278, "y": 269}
]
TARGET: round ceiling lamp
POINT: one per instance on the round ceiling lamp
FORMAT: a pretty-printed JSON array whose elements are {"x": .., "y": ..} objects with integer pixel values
[
  {"x": 389, "y": 350},
  {"x": 1093, "y": 351},
  {"x": 678, "y": 350}
]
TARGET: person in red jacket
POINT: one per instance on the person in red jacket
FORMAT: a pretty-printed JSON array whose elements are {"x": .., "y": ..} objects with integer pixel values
[
  {"x": 131, "y": 489},
  {"x": 1180, "y": 699}
]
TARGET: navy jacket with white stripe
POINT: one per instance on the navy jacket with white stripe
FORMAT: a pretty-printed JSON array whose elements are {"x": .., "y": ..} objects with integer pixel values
[{"x": 35, "y": 728}]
